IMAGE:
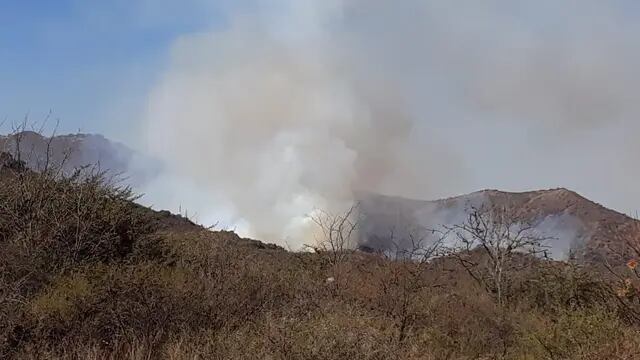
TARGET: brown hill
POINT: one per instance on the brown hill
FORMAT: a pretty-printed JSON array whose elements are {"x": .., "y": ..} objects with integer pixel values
[
  {"x": 581, "y": 228},
  {"x": 73, "y": 151},
  {"x": 87, "y": 274}
]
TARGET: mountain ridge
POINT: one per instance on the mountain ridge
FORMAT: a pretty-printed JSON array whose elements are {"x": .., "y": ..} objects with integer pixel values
[
  {"x": 593, "y": 232},
  {"x": 601, "y": 233}
]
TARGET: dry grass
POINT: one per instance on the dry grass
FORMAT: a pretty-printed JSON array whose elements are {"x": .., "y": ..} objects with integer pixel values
[{"x": 85, "y": 274}]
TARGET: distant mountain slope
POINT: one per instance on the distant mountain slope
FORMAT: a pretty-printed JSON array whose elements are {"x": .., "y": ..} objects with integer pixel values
[
  {"x": 587, "y": 230},
  {"x": 73, "y": 150},
  {"x": 77, "y": 150}
]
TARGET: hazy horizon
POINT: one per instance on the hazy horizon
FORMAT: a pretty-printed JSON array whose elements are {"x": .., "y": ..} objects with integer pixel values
[{"x": 261, "y": 111}]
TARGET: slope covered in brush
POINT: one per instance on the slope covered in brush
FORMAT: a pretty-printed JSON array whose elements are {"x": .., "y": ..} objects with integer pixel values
[{"x": 580, "y": 228}]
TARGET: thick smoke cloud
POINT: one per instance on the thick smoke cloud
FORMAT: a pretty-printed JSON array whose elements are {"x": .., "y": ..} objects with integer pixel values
[{"x": 296, "y": 104}]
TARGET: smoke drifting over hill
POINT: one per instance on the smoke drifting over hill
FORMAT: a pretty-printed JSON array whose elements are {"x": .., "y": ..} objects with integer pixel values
[
  {"x": 293, "y": 106},
  {"x": 558, "y": 217}
]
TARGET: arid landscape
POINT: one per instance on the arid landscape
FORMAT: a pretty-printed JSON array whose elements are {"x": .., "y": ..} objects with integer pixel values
[
  {"x": 319, "y": 179},
  {"x": 89, "y": 274}
]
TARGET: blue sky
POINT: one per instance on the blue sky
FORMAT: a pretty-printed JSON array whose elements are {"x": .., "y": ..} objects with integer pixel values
[
  {"x": 546, "y": 90},
  {"x": 92, "y": 62},
  {"x": 89, "y": 61}
]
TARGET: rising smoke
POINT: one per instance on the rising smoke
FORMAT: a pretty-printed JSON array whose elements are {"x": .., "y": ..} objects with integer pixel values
[
  {"x": 398, "y": 226},
  {"x": 295, "y": 105}
]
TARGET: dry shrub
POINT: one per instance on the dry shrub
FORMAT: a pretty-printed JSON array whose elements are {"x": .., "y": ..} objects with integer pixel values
[
  {"x": 86, "y": 274},
  {"x": 50, "y": 224},
  {"x": 584, "y": 335}
]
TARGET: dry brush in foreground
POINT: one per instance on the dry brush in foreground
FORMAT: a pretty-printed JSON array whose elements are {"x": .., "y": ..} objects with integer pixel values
[{"x": 87, "y": 274}]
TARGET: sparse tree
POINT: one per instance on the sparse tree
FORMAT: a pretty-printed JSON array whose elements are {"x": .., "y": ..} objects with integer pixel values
[
  {"x": 338, "y": 233},
  {"x": 626, "y": 288},
  {"x": 408, "y": 268},
  {"x": 487, "y": 244},
  {"x": 335, "y": 242}
]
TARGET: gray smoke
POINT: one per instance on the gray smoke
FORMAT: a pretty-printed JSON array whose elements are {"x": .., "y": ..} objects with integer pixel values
[
  {"x": 567, "y": 235},
  {"x": 397, "y": 225},
  {"x": 296, "y": 104}
]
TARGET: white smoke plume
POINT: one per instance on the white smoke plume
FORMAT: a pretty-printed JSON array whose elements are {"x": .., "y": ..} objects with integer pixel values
[
  {"x": 394, "y": 224},
  {"x": 298, "y": 103}
]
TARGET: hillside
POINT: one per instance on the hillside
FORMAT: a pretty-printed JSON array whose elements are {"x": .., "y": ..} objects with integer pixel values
[
  {"x": 85, "y": 273},
  {"x": 588, "y": 231},
  {"x": 72, "y": 151},
  {"x": 582, "y": 229}
]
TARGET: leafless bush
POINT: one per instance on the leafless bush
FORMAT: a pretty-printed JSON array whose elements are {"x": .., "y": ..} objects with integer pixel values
[
  {"x": 52, "y": 222},
  {"x": 489, "y": 244},
  {"x": 85, "y": 274},
  {"x": 409, "y": 274},
  {"x": 337, "y": 232},
  {"x": 335, "y": 242}
]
